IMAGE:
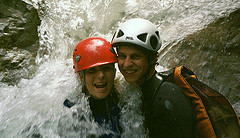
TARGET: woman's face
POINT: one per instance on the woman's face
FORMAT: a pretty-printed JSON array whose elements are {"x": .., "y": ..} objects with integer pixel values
[{"x": 99, "y": 80}]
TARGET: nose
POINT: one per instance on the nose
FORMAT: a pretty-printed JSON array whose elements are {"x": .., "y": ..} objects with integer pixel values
[
  {"x": 100, "y": 74},
  {"x": 127, "y": 62}
]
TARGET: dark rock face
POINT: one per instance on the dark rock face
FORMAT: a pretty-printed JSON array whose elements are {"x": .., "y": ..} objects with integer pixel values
[
  {"x": 213, "y": 54},
  {"x": 18, "y": 40}
]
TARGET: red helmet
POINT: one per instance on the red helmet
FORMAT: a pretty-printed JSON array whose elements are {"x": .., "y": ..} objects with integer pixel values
[{"x": 91, "y": 52}]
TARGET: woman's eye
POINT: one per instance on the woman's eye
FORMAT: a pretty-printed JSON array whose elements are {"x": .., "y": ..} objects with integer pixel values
[
  {"x": 91, "y": 70},
  {"x": 121, "y": 56},
  {"x": 108, "y": 68}
]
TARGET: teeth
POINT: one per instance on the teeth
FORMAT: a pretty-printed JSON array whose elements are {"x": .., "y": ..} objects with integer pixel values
[
  {"x": 100, "y": 85},
  {"x": 129, "y": 71}
]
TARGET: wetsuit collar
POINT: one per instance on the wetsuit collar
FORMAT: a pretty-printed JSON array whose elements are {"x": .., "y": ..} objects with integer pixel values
[{"x": 150, "y": 87}]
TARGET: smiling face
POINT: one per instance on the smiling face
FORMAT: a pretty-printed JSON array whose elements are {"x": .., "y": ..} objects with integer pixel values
[
  {"x": 133, "y": 64},
  {"x": 99, "y": 80}
]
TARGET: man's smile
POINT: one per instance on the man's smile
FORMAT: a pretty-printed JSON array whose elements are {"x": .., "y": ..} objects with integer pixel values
[{"x": 130, "y": 72}]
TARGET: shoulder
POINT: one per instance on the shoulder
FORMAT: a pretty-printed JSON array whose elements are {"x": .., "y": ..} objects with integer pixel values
[
  {"x": 171, "y": 88},
  {"x": 172, "y": 98},
  {"x": 173, "y": 93}
]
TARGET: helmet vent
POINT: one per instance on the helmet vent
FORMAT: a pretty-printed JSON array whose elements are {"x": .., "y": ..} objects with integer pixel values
[
  {"x": 153, "y": 41},
  {"x": 78, "y": 58},
  {"x": 157, "y": 33},
  {"x": 120, "y": 33},
  {"x": 142, "y": 37}
]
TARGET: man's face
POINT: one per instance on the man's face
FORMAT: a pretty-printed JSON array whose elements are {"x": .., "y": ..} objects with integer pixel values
[
  {"x": 133, "y": 64},
  {"x": 99, "y": 80}
]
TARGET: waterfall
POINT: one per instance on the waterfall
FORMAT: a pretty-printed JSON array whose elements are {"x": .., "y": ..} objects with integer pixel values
[{"x": 34, "y": 107}]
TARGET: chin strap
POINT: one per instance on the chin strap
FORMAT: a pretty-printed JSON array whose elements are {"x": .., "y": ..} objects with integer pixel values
[
  {"x": 84, "y": 80},
  {"x": 84, "y": 87}
]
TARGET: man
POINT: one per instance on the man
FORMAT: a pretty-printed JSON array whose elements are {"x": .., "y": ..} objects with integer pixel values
[{"x": 168, "y": 112}]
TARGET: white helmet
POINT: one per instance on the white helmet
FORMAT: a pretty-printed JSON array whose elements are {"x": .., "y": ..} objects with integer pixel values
[{"x": 138, "y": 32}]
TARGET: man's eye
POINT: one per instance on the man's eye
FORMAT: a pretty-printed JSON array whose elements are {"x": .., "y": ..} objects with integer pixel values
[{"x": 136, "y": 56}]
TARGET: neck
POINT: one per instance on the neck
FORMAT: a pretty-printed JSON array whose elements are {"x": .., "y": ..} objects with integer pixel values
[{"x": 146, "y": 77}]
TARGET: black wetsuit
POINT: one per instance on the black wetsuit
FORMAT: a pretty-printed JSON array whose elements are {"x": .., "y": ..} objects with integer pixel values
[
  {"x": 168, "y": 112},
  {"x": 105, "y": 111}
]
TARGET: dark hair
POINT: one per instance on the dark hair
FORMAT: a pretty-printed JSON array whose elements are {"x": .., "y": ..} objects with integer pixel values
[{"x": 154, "y": 56}]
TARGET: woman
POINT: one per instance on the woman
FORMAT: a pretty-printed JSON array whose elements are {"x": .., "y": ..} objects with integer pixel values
[{"x": 94, "y": 60}]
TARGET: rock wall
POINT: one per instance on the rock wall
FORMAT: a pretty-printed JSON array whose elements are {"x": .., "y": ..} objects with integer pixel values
[
  {"x": 212, "y": 53},
  {"x": 18, "y": 40}
]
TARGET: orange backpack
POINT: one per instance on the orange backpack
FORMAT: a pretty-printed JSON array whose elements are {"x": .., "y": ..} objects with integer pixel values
[{"x": 215, "y": 116}]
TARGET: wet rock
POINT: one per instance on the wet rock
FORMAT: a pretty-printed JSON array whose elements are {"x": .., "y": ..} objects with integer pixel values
[
  {"x": 19, "y": 40},
  {"x": 18, "y": 24},
  {"x": 213, "y": 53},
  {"x": 16, "y": 64}
]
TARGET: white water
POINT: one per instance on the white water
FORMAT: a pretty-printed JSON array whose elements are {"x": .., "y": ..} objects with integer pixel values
[{"x": 34, "y": 107}]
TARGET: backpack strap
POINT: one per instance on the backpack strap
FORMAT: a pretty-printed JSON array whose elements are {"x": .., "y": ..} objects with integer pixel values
[
  {"x": 213, "y": 110},
  {"x": 223, "y": 117},
  {"x": 203, "y": 125}
]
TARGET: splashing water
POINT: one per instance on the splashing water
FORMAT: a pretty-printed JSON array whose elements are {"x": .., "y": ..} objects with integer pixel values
[{"x": 34, "y": 107}]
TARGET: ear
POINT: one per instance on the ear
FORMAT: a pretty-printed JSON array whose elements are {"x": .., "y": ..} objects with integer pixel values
[{"x": 153, "y": 59}]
